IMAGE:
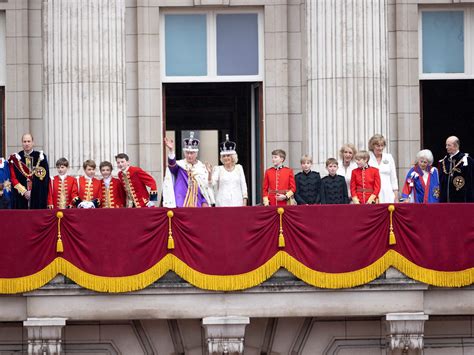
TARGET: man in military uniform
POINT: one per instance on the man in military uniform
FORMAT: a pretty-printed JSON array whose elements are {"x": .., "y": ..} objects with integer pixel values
[
  {"x": 29, "y": 172},
  {"x": 456, "y": 171}
]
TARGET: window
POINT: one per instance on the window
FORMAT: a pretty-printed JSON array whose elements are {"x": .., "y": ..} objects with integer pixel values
[
  {"x": 446, "y": 48},
  {"x": 212, "y": 46}
]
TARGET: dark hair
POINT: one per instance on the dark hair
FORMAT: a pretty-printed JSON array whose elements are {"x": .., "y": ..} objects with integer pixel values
[
  {"x": 280, "y": 152},
  {"x": 106, "y": 163},
  {"x": 122, "y": 156},
  {"x": 89, "y": 162},
  {"x": 62, "y": 161},
  {"x": 331, "y": 161}
]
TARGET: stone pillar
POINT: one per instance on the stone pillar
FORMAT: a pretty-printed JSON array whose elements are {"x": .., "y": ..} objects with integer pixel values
[
  {"x": 44, "y": 335},
  {"x": 84, "y": 79},
  {"x": 225, "y": 335},
  {"x": 405, "y": 332},
  {"x": 347, "y": 74}
]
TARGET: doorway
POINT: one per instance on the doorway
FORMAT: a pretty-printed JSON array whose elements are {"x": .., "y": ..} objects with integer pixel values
[
  {"x": 447, "y": 110},
  {"x": 212, "y": 110}
]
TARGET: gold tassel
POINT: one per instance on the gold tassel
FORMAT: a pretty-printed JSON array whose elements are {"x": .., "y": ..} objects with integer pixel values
[
  {"x": 170, "y": 215},
  {"x": 281, "y": 237},
  {"x": 391, "y": 239},
  {"x": 59, "y": 243}
]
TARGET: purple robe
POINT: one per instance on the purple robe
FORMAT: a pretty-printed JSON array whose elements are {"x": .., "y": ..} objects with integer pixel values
[{"x": 181, "y": 185}]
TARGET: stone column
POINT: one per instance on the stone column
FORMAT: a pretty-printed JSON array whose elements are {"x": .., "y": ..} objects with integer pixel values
[
  {"x": 84, "y": 79},
  {"x": 405, "y": 332},
  {"x": 225, "y": 335},
  {"x": 347, "y": 74},
  {"x": 44, "y": 335}
]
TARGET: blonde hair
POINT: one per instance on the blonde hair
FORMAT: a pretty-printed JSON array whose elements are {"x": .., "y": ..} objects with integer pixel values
[
  {"x": 234, "y": 158},
  {"x": 376, "y": 139},
  {"x": 363, "y": 154},
  {"x": 306, "y": 157},
  {"x": 344, "y": 147}
]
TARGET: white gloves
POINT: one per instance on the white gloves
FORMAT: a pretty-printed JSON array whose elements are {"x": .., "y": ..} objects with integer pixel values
[
  {"x": 86, "y": 204},
  {"x": 150, "y": 204}
]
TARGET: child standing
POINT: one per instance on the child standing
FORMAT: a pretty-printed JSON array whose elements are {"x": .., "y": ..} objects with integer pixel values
[
  {"x": 112, "y": 194},
  {"x": 279, "y": 182},
  {"x": 62, "y": 188},
  {"x": 88, "y": 187},
  {"x": 333, "y": 186},
  {"x": 135, "y": 181},
  {"x": 365, "y": 180},
  {"x": 308, "y": 183}
]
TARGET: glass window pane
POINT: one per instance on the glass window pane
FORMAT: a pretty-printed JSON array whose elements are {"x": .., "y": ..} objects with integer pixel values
[
  {"x": 443, "y": 41},
  {"x": 237, "y": 44},
  {"x": 186, "y": 45}
]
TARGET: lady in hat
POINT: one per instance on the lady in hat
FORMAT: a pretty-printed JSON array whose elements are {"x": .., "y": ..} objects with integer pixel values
[{"x": 228, "y": 180}]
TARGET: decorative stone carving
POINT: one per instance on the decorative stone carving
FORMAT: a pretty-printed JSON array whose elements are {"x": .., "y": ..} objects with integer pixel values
[
  {"x": 44, "y": 335},
  {"x": 405, "y": 331},
  {"x": 225, "y": 335}
]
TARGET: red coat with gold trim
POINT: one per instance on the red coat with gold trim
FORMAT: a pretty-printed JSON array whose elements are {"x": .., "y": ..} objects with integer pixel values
[
  {"x": 365, "y": 185},
  {"x": 112, "y": 196},
  {"x": 278, "y": 180},
  {"x": 88, "y": 190},
  {"x": 62, "y": 192},
  {"x": 135, "y": 182}
]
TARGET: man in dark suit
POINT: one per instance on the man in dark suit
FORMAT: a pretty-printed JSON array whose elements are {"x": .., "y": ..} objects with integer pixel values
[
  {"x": 456, "y": 171},
  {"x": 29, "y": 173}
]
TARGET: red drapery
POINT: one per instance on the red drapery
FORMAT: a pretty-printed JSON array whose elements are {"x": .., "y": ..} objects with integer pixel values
[{"x": 336, "y": 246}]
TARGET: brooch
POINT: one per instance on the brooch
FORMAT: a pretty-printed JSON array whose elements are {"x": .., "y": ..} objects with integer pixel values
[
  {"x": 458, "y": 182},
  {"x": 385, "y": 161}
]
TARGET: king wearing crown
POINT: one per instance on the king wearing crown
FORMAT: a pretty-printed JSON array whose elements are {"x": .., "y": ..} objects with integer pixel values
[{"x": 185, "y": 183}]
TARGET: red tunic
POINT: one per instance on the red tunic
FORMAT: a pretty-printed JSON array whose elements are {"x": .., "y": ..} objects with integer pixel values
[
  {"x": 135, "y": 182},
  {"x": 62, "y": 192},
  {"x": 278, "y": 180},
  {"x": 365, "y": 182},
  {"x": 88, "y": 190},
  {"x": 112, "y": 196}
]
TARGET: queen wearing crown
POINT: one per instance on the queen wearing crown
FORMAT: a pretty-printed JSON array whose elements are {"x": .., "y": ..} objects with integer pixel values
[
  {"x": 228, "y": 180},
  {"x": 185, "y": 183}
]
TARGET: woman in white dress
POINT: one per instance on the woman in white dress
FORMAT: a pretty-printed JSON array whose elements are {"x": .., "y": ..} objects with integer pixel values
[
  {"x": 228, "y": 180},
  {"x": 386, "y": 165},
  {"x": 347, "y": 163}
]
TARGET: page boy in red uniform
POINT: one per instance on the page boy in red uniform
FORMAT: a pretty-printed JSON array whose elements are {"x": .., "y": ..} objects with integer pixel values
[
  {"x": 112, "y": 194},
  {"x": 365, "y": 180},
  {"x": 62, "y": 188},
  {"x": 135, "y": 181},
  {"x": 279, "y": 182},
  {"x": 88, "y": 187}
]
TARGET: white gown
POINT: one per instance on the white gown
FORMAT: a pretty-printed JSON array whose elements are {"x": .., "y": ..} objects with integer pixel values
[
  {"x": 230, "y": 187},
  {"x": 388, "y": 176},
  {"x": 347, "y": 173}
]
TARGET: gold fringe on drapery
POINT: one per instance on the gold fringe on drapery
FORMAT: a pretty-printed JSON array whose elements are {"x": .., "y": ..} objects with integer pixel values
[{"x": 239, "y": 281}]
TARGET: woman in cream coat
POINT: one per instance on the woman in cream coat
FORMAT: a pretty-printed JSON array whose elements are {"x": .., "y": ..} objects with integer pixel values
[{"x": 386, "y": 165}]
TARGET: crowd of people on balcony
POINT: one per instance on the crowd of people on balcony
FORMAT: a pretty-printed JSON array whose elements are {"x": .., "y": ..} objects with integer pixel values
[{"x": 358, "y": 177}]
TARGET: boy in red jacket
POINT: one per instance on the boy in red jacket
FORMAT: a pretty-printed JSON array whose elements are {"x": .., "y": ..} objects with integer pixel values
[
  {"x": 112, "y": 194},
  {"x": 365, "y": 181},
  {"x": 88, "y": 187},
  {"x": 279, "y": 182},
  {"x": 62, "y": 187},
  {"x": 135, "y": 182}
]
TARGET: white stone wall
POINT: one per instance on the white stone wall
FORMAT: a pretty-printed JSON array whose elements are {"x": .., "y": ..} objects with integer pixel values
[{"x": 306, "y": 336}]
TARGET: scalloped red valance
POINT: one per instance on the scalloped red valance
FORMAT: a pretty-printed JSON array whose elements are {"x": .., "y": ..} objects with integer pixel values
[{"x": 331, "y": 246}]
